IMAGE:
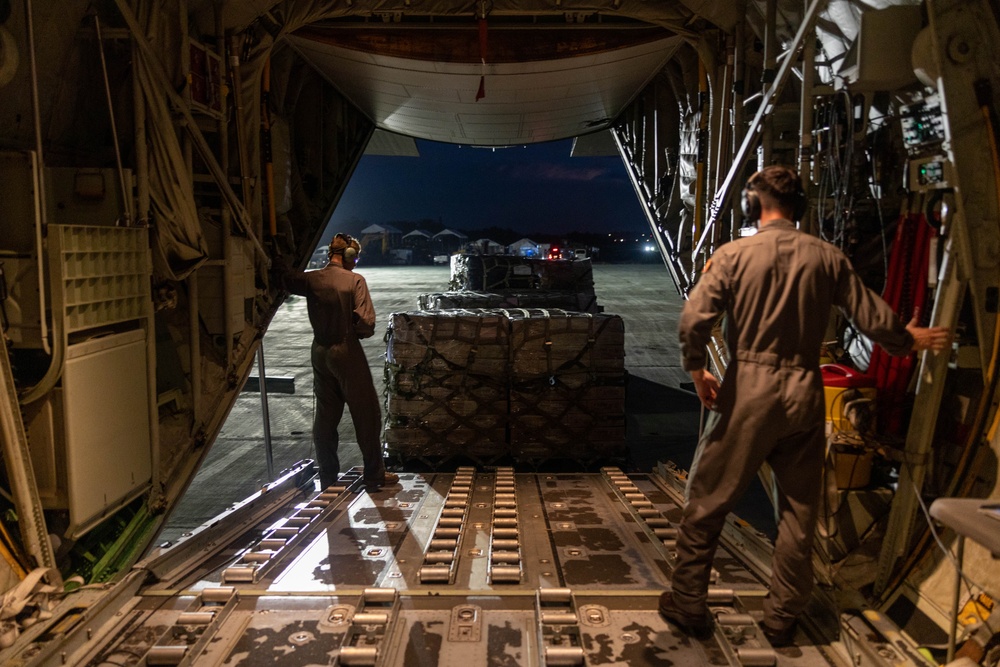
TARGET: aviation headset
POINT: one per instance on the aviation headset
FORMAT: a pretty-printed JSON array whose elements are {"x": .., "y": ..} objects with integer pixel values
[
  {"x": 350, "y": 253},
  {"x": 750, "y": 200}
]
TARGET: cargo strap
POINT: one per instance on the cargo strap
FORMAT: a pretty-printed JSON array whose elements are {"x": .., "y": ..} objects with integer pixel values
[{"x": 30, "y": 595}]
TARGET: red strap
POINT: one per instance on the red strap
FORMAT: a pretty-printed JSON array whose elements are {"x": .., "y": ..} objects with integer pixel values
[{"x": 905, "y": 290}]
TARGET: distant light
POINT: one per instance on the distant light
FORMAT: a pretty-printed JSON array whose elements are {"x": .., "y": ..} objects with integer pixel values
[{"x": 650, "y": 248}]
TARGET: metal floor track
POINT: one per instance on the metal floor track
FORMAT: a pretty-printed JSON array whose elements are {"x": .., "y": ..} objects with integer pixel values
[{"x": 465, "y": 568}]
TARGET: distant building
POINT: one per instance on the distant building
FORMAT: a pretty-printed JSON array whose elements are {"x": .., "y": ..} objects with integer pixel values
[
  {"x": 380, "y": 239},
  {"x": 419, "y": 242},
  {"x": 416, "y": 237},
  {"x": 487, "y": 247},
  {"x": 448, "y": 241},
  {"x": 523, "y": 248}
]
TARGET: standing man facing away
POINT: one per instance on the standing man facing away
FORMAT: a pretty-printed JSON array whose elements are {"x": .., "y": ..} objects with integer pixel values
[
  {"x": 776, "y": 289},
  {"x": 341, "y": 314}
]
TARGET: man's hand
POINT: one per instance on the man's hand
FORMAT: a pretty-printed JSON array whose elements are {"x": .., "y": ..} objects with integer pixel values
[
  {"x": 707, "y": 387},
  {"x": 928, "y": 338}
]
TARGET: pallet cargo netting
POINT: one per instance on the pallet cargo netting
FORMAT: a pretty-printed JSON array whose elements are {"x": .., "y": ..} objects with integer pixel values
[
  {"x": 567, "y": 385},
  {"x": 446, "y": 384},
  {"x": 536, "y": 384}
]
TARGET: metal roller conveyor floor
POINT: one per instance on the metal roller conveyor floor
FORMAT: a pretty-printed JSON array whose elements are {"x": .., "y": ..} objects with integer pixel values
[{"x": 467, "y": 568}]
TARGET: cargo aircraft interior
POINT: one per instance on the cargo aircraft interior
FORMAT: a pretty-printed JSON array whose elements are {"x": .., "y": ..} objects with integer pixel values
[{"x": 159, "y": 158}]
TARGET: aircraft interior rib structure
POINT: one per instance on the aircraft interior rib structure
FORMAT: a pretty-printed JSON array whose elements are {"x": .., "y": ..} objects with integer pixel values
[{"x": 157, "y": 157}]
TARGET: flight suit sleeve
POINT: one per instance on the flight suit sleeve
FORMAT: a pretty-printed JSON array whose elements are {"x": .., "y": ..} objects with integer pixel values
[
  {"x": 296, "y": 282},
  {"x": 706, "y": 303},
  {"x": 364, "y": 311},
  {"x": 869, "y": 313}
]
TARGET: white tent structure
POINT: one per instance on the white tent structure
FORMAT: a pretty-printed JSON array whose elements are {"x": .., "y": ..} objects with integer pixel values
[
  {"x": 383, "y": 237},
  {"x": 488, "y": 247},
  {"x": 449, "y": 240},
  {"x": 523, "y": 248},
  {"x": 380, "y": 229}
]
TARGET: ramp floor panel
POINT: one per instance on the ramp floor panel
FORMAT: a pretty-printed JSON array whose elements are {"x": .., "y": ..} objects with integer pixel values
[{"x": 466, "y": 568}]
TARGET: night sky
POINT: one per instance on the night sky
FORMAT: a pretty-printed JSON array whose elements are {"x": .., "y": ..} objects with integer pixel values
[{"x": 537, "y": 188}]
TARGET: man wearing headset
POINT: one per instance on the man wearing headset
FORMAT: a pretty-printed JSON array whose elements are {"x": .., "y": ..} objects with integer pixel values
[
  {"x": 776, "y": 289},
  {"x": 341, "y": 314}
]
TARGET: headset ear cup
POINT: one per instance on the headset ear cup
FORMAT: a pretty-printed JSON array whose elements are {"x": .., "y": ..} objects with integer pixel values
[
  {"x": 750, "y": 204},
  {"x": 801, "y": 205},
  {"x": 350, "y": 254}
]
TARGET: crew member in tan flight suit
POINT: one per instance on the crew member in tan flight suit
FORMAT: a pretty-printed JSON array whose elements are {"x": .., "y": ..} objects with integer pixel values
[
  {"x": 776, "y": 289},
  {"x": 341, "y": 314}
]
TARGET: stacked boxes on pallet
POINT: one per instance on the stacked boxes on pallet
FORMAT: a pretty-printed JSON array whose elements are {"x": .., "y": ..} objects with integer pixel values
[
  {"x": 567, "y": 391},
  {"x": 539, "y": 384},
  {"x": 563, "y": 299},
  {"x": 491, "y": 273},
  {"x": 446, "y": 384},
  {"x": 460, "y": 299},
  {"x": 523, "y": 282}
]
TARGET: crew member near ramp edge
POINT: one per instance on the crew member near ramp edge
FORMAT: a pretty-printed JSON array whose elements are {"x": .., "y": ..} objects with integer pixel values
[
  {"x": 341, "y": 314},
  {"x": 776, "y": 289}
]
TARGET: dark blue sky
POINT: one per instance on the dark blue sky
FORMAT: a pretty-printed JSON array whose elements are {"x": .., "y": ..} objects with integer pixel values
[{"x": 536, "y": 188}]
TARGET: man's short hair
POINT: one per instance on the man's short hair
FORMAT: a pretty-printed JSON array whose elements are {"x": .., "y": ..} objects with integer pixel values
[
  {"x": 340, "y": 243},
  {"x": 779, "y": 186}
]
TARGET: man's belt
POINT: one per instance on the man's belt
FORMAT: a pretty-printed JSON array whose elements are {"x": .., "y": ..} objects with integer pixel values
[{"x": 777, "y": 360}]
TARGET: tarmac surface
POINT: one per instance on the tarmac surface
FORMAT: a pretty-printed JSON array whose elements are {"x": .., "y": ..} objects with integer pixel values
[{"x": 662, "y": 417}]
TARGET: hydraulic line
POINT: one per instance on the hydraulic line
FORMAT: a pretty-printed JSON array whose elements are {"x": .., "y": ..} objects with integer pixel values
[
  {"x": 57, "y": 348},
  {"x": 699, "y": 196},
  {"x": 266, "y": 149},
  {"x": 126, "y": 200}
]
